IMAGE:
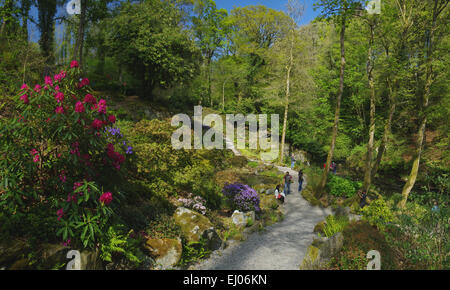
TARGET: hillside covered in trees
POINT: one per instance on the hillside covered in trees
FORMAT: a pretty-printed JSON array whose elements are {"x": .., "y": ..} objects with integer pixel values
[{"x": 86, "y": 100}]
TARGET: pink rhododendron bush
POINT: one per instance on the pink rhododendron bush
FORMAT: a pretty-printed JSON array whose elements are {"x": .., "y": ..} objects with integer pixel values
[{"x": 63, "y": 152}]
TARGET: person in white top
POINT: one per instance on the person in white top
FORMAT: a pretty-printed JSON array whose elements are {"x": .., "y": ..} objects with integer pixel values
[{"x": 279, "y": 195}]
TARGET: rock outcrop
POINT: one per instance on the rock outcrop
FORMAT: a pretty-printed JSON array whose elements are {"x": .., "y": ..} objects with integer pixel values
[
  {"x": 321, "y": 251},
  {"x": 196, "y": 227},
  {"x": 166, "y": 252}
]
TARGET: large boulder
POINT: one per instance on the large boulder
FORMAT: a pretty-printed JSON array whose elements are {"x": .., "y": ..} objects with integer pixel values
[
  {"x": 321, "y": 251},
  {"x": 241, "y": 219},
  {"x": 195, "y": 226},
  {"x": 311, "y": 261},
  {"x": 167, "y": 252},
  {"x": 51, "y": 255},
  {"x": 12, "y": 251},
  {"x": 90, "y": 260}
]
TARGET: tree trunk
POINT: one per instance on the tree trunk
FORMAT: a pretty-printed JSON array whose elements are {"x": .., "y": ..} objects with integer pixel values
[
  {"x": 384, "y": 141},
  {"x": 8, "y": 5},
  {"x": 47, "y": 11},
  {"x": 286, "y": 107},
  {"x": 223, "y": 96},
  {"x": 370, "y": 67},
  {"x": 323, "y": 181},
  {"x": 78, "y": 51},
  {"x": 26, "y": 4},
  {"x": 425, "y": 100}
]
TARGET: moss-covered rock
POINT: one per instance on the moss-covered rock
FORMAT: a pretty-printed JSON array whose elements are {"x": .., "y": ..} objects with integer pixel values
[
  {"x": 167, "y": 252},
  {"x": 319, "y": 228},
  {"x": 12, "y": 251},
  {"x": 321, "y": 251},
  {"x": 312, "y": 259},
  {"x": 195, "y": 227}
]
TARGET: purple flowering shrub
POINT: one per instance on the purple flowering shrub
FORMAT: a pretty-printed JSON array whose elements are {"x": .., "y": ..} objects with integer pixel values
[
  {"x": 242, "y": 197},
  {"x": 196, "y": 203}
]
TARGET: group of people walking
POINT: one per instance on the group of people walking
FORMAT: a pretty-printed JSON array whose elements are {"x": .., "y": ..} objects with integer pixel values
[{"x": 288, "y": 180}]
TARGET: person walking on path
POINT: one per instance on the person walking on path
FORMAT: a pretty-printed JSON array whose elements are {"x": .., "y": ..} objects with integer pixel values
[
  {"x": 292, "y": 161},
  {"x": 287, "y": 183},
  {"x": 300, "y": 180}
]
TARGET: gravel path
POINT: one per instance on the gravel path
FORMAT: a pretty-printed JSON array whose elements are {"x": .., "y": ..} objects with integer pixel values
[{"x": 281, "y": 247}]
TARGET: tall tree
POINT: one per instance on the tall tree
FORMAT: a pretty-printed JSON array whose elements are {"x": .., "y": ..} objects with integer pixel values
[
  {"x": 25, "y": 10},
  {"x": 210, "y": 29},
  {"x": 295, "y": 11},
  {"x": 47, "y": 11},
  {"x": 371, "y": 21},
  {"x": 435, "y": 14},
  {"x": 340, "y": 11}
]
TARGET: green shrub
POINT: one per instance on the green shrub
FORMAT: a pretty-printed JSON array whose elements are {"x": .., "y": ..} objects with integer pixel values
[
  {"x": 423, "y": 236},
  {"x": 194, "y": 251},
  {"x": 341, "y": 187},
  {"x": 378, "y": 213},
  {"x": 334, "y": 225}
]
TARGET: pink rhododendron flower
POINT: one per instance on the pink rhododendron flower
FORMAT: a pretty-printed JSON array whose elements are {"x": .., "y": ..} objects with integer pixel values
[
  {"x": 84, "y": 82},
  {"x": 24, "y": 87},
  {"x": 35, "y": 155},
  {"x": 79, "y": 107},
  {"x": 106, "y": 198},
  {"x": 59, "y": 77},
  {"x": 112, "y": 119},
  {"x": 59, "y": 110},
  {"x": 74, "y": 64},
  {"x": 76, "y": 185},
  {"x": 102, "y": 106},
  {"x": 90, "y": 99},
  {"x": 117, "y": 158},
  {"x": 97, "y": 124},
  {"x": 60, "y": 213},
  {"x": 48, "y": 81},
  {"x": 66, "y": 243},
  {"x": 57, "y": 88},
  {"x": 59, "y": 97},
  {"x": 25, "y": 99},
  {"x": 37, "y": 88},
  {"x": 71, "y": 197},
  {"x": 75, "y": 149},
  {"x": 62, "y": 177}
]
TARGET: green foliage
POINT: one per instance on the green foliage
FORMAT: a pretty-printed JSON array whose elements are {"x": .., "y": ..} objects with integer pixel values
[
  {"x": 334, "y": 225},
  {"x": 422, "y": 235},
  {"x": 341, "y": 187},
  {"x": 116, "y": 242},
  {"x": 49, "y": 151},
  {"x": 359, "y": 239},
  {"x": 148, "y": 40},
  {"x": 378, "y": 213},
  {"x": 194, "y": 251}
]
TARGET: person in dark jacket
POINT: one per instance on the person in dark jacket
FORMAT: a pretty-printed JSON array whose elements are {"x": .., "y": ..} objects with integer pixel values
[{"x": 300, "y": 180}]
